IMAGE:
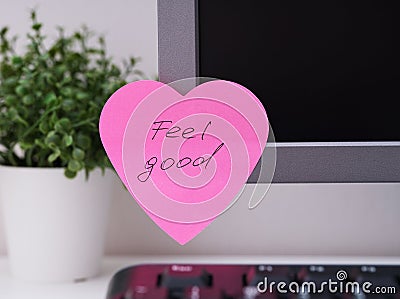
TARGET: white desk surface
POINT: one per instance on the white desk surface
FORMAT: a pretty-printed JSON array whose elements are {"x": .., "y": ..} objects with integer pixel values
[{"x": 96, "y": 288}]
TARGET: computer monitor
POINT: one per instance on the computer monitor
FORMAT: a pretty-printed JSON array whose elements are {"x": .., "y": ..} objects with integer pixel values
[{"x": 324, "y": 70}]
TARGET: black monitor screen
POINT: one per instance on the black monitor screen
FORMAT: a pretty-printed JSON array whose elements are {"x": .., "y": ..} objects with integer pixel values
[{"x": 324, "y": 70}]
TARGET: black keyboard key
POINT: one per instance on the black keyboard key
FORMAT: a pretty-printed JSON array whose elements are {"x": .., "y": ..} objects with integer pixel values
[
  {"x": 182, "y": 276},
  {"x": 203, "y": 293}
]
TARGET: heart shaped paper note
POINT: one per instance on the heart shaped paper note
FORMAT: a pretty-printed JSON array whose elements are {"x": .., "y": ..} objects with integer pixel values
[{"x": 184, "y": 158}]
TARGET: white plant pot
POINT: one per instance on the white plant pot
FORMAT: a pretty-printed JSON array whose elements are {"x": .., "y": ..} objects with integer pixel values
[{"x": 55, "y": 226}]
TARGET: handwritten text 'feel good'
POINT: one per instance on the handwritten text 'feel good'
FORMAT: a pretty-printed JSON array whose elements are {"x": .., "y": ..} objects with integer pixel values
[{"x": 176, "y": 132}]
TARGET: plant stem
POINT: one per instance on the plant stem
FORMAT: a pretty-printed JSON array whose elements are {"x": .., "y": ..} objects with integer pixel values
[
  {"x": 29, "y": 153},
  {"x": 27, "y": 132},
  {"x": 83, "y": 122},
  {"x": 11, "y": 158}
]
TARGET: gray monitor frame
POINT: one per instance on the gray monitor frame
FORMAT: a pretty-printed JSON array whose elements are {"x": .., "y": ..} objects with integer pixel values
[{"x": 297, "y": 162}]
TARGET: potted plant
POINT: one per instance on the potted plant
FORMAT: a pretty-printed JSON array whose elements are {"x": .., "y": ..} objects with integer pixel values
[{"x": 53, "y": 179}]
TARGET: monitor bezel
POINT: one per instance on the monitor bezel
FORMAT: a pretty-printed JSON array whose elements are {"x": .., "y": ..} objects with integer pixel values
[{"x": 297, "y": 162}]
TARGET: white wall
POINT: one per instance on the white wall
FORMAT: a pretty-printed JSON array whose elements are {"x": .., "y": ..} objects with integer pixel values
[
  {"x": 294, "y": 219},
  {"x": 130, "y": 26}
]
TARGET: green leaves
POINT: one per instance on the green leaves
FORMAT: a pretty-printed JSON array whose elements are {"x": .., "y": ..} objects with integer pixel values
[
  {"x": 54, "y": 156},
  {"x": 78, "y": 154},
  {"x": 21, "y": 90},
  {"x": 51, "y": 98},
  {"x": 83, "y": 141},
  {"x": 36, "y": 26},
  {"x": 74, "y": 166},
  {"x": 16, "y": 60},
  {"x": 63, "y": 125},
  {"x": 70, "y": 174},
  {"x": 68, "y": 105},
  {"x": 28, "y": 100},
  {"x": 67, "y": 140},
  {"x": 52, "y": 140}
]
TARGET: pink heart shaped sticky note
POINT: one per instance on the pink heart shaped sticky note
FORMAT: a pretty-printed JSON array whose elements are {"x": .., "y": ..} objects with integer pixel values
[{"x": 184, "y": 158}]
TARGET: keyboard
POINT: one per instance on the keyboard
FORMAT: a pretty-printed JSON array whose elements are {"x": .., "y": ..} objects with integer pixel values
[{"x": 179, "y": 281}]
